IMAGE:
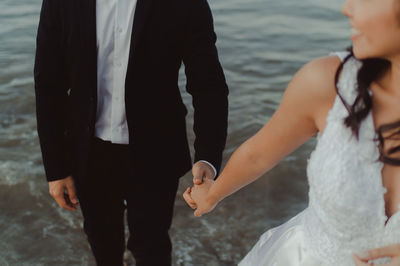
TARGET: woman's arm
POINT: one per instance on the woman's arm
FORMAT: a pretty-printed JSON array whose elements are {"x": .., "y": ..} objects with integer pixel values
[
  {"x": 392, "y": 252},
  {"x": 301, "y": 114}
]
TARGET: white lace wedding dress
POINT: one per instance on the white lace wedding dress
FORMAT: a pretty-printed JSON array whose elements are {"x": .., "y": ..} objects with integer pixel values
[{"x": 346, "y": 211}]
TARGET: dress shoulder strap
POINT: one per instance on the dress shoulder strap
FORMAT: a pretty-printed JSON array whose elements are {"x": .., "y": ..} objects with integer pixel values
[
  {"x": 342, "y": 55},
  {"x": 347, "y": 86},
  {"x": 347, "y": 83}
]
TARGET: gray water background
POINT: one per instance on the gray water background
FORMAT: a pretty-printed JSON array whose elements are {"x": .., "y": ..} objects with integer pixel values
[{"x": 261, "y": 43}]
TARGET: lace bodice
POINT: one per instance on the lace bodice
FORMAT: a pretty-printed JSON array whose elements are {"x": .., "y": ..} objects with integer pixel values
[{"x": 346, "y": 212}]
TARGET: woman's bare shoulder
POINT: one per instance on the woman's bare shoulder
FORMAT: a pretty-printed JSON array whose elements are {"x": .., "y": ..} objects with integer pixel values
[
  {"x": 311, "y": 93},
  {"x": 315, "y": 81},
  {"x": 317, "y": 77}
]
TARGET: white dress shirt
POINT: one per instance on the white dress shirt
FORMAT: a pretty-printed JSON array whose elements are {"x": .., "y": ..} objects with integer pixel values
[{"x": 114, "y": 21}]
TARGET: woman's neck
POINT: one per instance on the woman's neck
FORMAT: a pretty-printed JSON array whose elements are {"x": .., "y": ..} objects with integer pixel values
[{"x": 390, "y": 81}]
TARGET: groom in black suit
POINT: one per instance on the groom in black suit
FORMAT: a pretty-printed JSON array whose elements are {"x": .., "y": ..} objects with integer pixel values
[{"x": 111, "y": 121}]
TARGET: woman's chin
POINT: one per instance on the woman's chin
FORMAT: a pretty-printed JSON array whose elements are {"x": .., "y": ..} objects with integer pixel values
[{"x": 362, "y": 54}]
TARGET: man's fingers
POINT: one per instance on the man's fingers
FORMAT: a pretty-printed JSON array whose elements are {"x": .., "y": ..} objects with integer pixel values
[
  {"x": 62, "y": 202},
  {"x": 198, "y": 173},
  {"x": 57, "y": 190},
  {"x": 201, "y": 171},
  {"x": 72, "y": 194},
  {"x": 198, "y": 178},
  {"x": 388, "y": 251},
  {"x": 198, "y": 213},
  {"x": 188, "y": 198}
]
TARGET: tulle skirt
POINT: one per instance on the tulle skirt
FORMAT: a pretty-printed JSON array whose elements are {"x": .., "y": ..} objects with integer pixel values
[{"x": 284, "y": 245}]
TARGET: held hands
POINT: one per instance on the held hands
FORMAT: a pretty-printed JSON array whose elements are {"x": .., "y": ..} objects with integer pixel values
[
  {"x": 57, "y": 189},
  {"x": 198, "y": 196},
  {"x": 392, "y": 251}
]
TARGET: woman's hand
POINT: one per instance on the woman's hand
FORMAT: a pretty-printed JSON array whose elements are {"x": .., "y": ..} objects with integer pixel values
[
  {"x": 392, "y": 251},
  {"x": 199, "y": 198}
]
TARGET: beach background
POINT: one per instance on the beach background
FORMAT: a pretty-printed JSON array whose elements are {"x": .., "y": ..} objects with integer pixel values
[{"x": 261, "y": 43}]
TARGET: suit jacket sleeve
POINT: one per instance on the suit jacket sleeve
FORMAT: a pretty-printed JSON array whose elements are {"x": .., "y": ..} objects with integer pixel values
[
  {"x": 206, "y": 83},
  {"x": 51, "y": 92}
]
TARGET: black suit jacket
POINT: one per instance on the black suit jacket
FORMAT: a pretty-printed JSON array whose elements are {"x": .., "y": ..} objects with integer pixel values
[{"x": 165, "y": 33}]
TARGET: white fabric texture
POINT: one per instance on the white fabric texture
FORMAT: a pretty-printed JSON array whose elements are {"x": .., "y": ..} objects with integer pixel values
[
  {"x": 346, "y": 211},
  {"x": 114, "y": 22}
]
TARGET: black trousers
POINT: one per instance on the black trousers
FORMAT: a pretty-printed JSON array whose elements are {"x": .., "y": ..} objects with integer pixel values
[{"x": 149, "y": 205}]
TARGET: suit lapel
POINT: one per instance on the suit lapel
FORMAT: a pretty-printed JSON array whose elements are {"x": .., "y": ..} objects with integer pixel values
[{"x": 142, "y": 11}]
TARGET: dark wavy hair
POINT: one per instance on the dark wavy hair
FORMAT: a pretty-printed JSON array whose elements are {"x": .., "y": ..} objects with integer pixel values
[{"x": 370, "y": 70}]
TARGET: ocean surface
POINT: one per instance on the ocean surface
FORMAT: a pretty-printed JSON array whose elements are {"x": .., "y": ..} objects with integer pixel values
[{"x": 261, "y": 43}]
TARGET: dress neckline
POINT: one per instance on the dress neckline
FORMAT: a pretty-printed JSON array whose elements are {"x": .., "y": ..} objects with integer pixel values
[{"x": 379, "y": 168}]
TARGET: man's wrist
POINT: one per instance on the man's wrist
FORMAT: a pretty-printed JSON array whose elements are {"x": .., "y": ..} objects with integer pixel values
[{"x": 212, "y": 166}]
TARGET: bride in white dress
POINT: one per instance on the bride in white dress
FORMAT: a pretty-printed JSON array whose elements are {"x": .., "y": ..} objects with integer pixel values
[{"x": 352, "y": 101}]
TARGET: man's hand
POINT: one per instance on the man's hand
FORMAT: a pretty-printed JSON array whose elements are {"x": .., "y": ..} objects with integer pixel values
[
  {"x": 392, "y": 251},
  {"x": 58, "y": 188},
  {"x": 200, "y": 171}
]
